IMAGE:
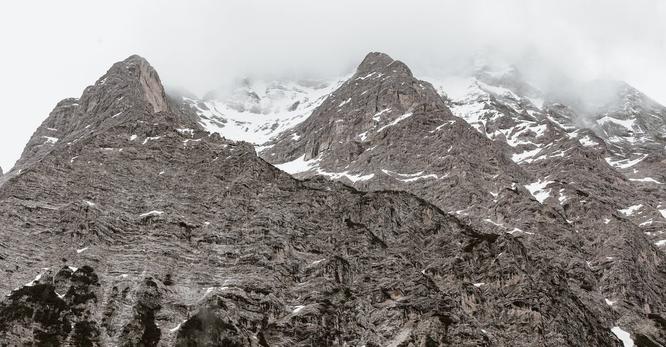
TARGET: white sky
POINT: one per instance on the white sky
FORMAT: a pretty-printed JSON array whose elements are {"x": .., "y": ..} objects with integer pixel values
[{"x": 54, "y": 49}]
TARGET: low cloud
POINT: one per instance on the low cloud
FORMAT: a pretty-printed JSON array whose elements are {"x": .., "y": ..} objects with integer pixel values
[{"x": 201, "y": 45}]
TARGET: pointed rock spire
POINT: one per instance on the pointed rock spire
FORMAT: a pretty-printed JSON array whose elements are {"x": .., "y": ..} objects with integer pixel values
[
  {"x": 150, "y": 82},
  {"x": 129, "y": 92},
  {"x": 382, "y": 63},
  {"x": 141, "y": 77}
]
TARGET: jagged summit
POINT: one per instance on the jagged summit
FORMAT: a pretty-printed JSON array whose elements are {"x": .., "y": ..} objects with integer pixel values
[
  {"x": 382, "y": 63},
  {"x": 137, "y": 69},
  {"x": 130, "y": 92}
]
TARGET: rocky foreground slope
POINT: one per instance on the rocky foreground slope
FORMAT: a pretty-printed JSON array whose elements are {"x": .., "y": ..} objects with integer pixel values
[{"x": 125, "y": 223}]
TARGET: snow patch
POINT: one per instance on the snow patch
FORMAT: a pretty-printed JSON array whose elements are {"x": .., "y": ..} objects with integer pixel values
[
  {"x": 33, "y": 282},
  {"x": 645, "y": 179},
  {"x": 396, "y": 121},
  {"x": 151, "y": 138},
  {"x": 352, "y": 177},
  {"x": 443, "y": 125},
  {"x": 631, "y": 209},
  {"x": 538, "y": 190},
  {"x": 151, "y": 213},
  {"x": 488, "y": 220},
  {"x": 624, "y": 336},
  {"x": 409, "y": 177},
  {"x": 344, "y": 102},
  {"x": 186, "y": 131},
  {"x": 525, "y": 156},
  {"x": 81, "y": 250},
  {"x": 50, "y": 140},
  {"x": 378, "y": 115},
  {"x": 173, "y": 330},
  {"x": 298, "y": 165},
  {"x": 587, "y": 141},
  {"x": 624, "y": 163},
  {"x": 645, "y": 223},
  {"x": 369, "y": 75}
]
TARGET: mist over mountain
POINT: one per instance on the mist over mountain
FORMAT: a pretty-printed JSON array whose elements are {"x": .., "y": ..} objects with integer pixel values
[{"x": 201, "y": 45}]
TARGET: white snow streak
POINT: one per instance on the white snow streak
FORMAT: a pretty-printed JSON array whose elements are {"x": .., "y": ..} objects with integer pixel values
[
  {"x": 624, "y": 163},
  {"x": 645, "y": 179},
  {"x": 151, "y": 213},
  {"x": 300, "y": 165},
  {"x": 81, "y": 250},
  {"x": 396, "y": 121},
  {"x": 624, "y": 336}
]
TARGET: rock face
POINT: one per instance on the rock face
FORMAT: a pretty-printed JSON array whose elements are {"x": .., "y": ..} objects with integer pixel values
[
  {"x": 130, "y": 225},
  {"x": 511, "y": 167}
]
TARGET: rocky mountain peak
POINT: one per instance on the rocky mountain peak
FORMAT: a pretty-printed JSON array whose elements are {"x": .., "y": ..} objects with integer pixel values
[
  {"x": 380, "y": 94},
  {"x": 129, "y": 93},
  {"x": 378, "y": 62},
  {"x": 137, "y": 69}
]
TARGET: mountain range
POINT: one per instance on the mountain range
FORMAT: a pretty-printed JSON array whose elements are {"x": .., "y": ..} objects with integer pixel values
[{"x": 376, "y": 209}]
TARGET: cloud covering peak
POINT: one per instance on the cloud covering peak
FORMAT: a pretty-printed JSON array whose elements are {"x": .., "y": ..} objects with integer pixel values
[{"x": 203, "y": 44}]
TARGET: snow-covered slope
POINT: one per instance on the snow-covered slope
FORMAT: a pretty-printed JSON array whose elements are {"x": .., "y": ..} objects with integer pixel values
[
  {"x": 256, "y": 111},
  {"x": 621, "y": 132}
]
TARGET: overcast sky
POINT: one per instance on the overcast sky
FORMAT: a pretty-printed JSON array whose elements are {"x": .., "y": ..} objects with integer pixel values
[{"x": 54, "y": 49}]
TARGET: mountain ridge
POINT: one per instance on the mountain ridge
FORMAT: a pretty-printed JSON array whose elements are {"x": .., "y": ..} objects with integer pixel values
[{"x": 161, "y": 233}]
